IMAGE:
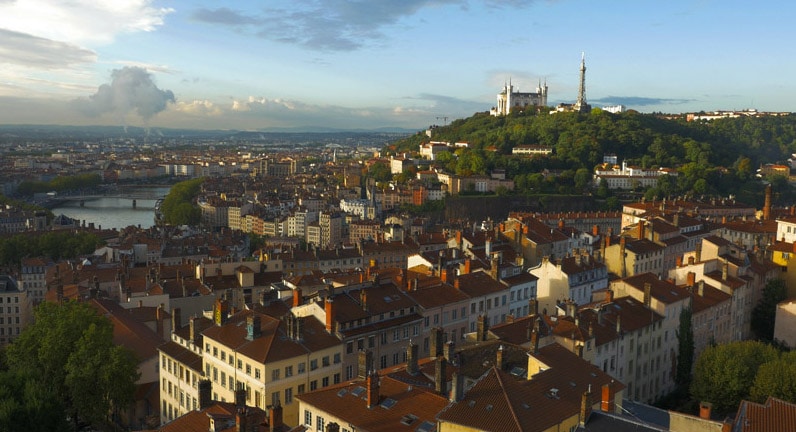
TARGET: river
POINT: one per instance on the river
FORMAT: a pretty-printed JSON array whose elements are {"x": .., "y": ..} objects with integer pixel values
[{"x": 112, "y": 212}]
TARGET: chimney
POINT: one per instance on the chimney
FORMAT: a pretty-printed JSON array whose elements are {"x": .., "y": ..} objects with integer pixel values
[
  {"x": 481, "y": 329},
  {"x": 159, "y": 328},
  {"x": 240, "y": 420},
  {"x": 618, "y": 324},
  {"x": 364, "y": 363},
  {"x": 691, "y": 260},
  {"x": 534, "y": 340},
  {"x": 640, "y": 229},
  {"x": 499, "y": 358},
  {"x": 440, "y": 385},
  {"x": 585, "y": 407},
  {"x": 411, "y": 358},
  {"x": 701, "y": 288},
  {"x": 205, "y": 394},
  {"x": 372, "y": 383},
  {"x": 467, "y": 266},
  {"x": 533, "y": 306},
  {"x": 253, "y": 327},
  {"x": 561, "y": 224},
  {"x": 275, "y": 417},
  {"x": 608, "y": 403},
  {"x": 456, "y": 283},
  {"x": 767, "y": 204},
  {"x": 679, "y": 261},
  {"x": 698, "y": 252},
  {"x": 436, "y": 342},
  {"x": 414, "y": 283},
  {"x": 444, "y": 275},
  {"x": 691, "y": 279},
  {"x": 192, "y": 329},
  {"x": 647, "y": 294},
  {"x": 298, "y": 298},
  {"x": 363, "y": 299},
  {"x": 329, "y": 314},
  {"x": 724, "y": 271},
  {"x": 448, "y": 350},
  {"x": 571, "y": 308},
  {"x": 458, "y": 238},
  {"x": 240, "y": 396},
  {"x": 176, "y": 319},
  {"x": 705, "y": 409},
  {"x": 457, "y": 387},
  {"x": 595, "y": 230},
  {"x": 488, "y": 247},
  {"x": 441, "y": 262}
]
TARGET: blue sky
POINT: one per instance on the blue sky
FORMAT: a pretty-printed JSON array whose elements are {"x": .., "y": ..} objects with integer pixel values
[{"x": 379, "y": 63}]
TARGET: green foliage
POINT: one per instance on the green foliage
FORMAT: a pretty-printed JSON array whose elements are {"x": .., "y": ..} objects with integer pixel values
[
  {"x": 776, "y": 378},
  {"x": 54, "y": 244},
  {"x": 59, "y": 184},
  {"x": 700, "y": 151},
  {"x": 178, "y": 207},
  {"x": 380, "y": 172},
  {"x": 724, "y": 374},
  {"x": 69, "y": 350},
  {"x": 765, "y": 311},
  {"x": 685, "y": 354},
  {"x": 4, "y": 200},
  {"x": 27, "y": 404}
]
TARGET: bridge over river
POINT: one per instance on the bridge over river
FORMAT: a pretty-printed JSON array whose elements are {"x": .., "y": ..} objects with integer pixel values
[{"x": 134, "y": 195}]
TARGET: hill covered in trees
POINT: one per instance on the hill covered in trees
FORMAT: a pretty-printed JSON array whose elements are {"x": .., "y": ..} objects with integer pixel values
[{"x": 713, "y": 158}]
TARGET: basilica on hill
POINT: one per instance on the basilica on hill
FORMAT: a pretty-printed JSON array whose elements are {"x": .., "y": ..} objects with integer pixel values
[{"x": 509, "y": 99}]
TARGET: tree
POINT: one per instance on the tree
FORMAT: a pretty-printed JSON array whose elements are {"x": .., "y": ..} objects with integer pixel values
[
  {"x": 724, "y": 373},
  {"x": 776, "y": 378},
  {"x": 685, "y": 354},
  {"x": 70, "y": 350},
  {"x": 765, "y": 311},
  {"x": 29, "y": 405}
]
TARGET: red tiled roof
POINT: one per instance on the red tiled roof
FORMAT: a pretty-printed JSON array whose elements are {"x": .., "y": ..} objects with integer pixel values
[{"x": 775, "y": 415}]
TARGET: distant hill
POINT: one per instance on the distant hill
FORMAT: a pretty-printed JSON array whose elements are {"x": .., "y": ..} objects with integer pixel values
[{"x": 719, "y": 157}]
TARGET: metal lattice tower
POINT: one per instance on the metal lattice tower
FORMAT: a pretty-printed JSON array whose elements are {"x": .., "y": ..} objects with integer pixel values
[{"x": 581, "y": 103}]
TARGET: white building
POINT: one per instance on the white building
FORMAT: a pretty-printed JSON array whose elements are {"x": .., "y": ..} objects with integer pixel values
[
  {"x": 630, "y": 177},
  {"x": 509, "y": 99}
]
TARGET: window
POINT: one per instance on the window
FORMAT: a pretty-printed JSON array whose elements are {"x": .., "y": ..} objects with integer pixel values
[
  {"x": 223, "y": 379},
  {"x": 319, "y": 423},
  {"x": 257, "y": 373},
  {"x": 302, "y": 367},
  {"x": 349, "y": 348},
  {"x": 301, "y": 389},
  {"x": 215, "y": 352},
  {"x": 223, "y": 356},
  {"x": 307, "y": 418},
  {"x": 240, "y": 364},
  {"x": 288, "y": 395},
  {"x": 275, "y": 375},
  {"x": 313, "y": 385},
  {"x": 288, "y": 371},
  {"x": 336, "y": 358},
  {"x": 313, "y": 364},
  {"x": 248, "y": 369},
  {"x": 337, "y": 378},
  {"x": 325, "y": 382},
  {"x": 275, "y": 398}
]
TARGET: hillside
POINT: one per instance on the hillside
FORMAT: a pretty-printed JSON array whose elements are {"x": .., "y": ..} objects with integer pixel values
[{"x": 718, "y": 157}]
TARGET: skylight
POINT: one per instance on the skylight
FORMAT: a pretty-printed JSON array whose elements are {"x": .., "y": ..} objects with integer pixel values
[
  {"x": 359, "y": 391},
  {"x": 426, "y": 426},
  {"x": 342, "y": 392},
  {"x": 388, "y": 403},
  {"x": 408, "y": 419}
]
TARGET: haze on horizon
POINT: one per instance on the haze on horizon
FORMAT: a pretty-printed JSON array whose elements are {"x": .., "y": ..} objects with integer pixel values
[{"x": 366, "y": 64}]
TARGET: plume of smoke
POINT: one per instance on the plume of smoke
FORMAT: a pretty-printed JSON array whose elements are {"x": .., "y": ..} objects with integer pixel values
[{"x": 131, "y": 89}]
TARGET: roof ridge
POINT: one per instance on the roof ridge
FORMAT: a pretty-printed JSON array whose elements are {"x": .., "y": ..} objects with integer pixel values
[{"x": 505, "y": 395}]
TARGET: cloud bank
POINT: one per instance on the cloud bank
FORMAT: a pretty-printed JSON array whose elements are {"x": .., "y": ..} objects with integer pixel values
[
  {"x": 331, "y": 25},
  {"x": 131, "y": 90}
]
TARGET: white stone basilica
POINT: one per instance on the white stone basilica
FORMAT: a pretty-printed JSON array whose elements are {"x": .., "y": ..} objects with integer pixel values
[{"x": 509, "y": 99}]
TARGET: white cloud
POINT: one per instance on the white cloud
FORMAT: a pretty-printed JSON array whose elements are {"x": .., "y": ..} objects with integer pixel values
[
  {"x": 199, "y": 108},
  {"x": 80, "y": 21}
]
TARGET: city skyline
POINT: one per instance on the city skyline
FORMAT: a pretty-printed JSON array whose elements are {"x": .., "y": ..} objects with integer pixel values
[{"x": 369, "y": 64}]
